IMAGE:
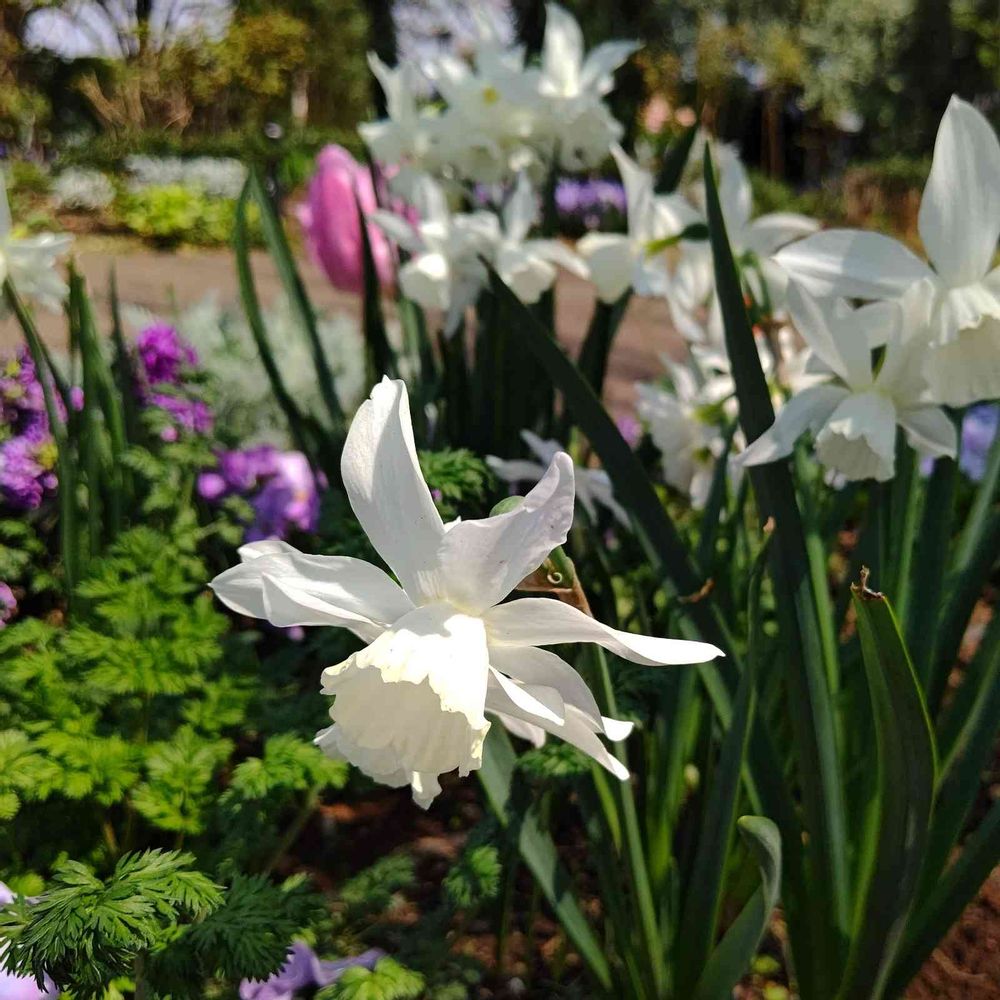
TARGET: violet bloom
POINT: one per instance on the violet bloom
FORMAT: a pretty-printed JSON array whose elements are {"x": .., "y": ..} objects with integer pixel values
[
  {"x": 332, "y": 225},
  {"x": 280, "y": 486},
  {"x": 21, "y": 987},
  {"x": 304, "y": 970},
  {"x": 8, "y": 605},
  {"x": 26, "y": 470},
  {"x": 288, "y": 500},
  {"x": 630, "y": 429},
  {"x": 164, "y": 354},
  {"x": 979, "y": 430}
]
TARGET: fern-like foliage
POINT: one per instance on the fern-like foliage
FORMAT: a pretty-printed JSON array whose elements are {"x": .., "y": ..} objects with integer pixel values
[
  {"x": 387, "y": 981},
  {"x": 85, "y": 931}
]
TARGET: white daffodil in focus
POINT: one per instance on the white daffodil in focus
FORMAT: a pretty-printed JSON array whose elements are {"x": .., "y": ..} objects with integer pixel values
[
  {"x": 442, "y": 651},
  {"x": 576, "y": 121},
  {"x": 853, "y": 411},
  {"x": 593, "y": 486},
  {"x": 618, "y": 261},
  {"x": 528, "y": 267},
  {"x": 30, "y": 261},
  {"x": 959, "y": 224}
]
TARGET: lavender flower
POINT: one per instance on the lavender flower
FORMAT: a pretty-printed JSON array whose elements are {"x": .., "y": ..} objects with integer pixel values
[
  {"x": 280, "y": 486},
  {"x": 584, "y": 205},
  {"x": 304, "y": 970},
  {"x": 165, "y": 359},
  {"x": 979, "y": 431},
  {"x": 27, "y": 450},
  {"x": 164, "y": 354},
  {"x": 8, "y": 605}
]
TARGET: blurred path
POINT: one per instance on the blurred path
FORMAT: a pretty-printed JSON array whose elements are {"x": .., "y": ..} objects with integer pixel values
[{"x": 156, "y": 280}]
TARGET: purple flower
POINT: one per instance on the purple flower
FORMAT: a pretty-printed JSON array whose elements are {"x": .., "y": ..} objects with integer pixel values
[
  {"x": 8, "y": 605},
  {"x": 288, "y": 500},
  {"x": 26, "y": 471},
  {"x": 589, "y": 204},
  {"x": 979, "y": 430},
  {"x": 21, "y": 987},
  {"x": 630, "y": 429},
  {"x": 187, "y": 414},
  {"x": 164, "y": 354},
  {"x": 303, "y": 970},
  {"x": 280, "y": 486}
]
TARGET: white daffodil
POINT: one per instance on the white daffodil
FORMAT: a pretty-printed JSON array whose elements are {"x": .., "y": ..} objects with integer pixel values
[
  {"x": 444, "y": 270},
  {"x": 593, "y": 486},
  {"x": 528, "y": 267},
  {"x": 409, "y": 139},
  {"x": 442, "y": 651},
  {"x": 492, "y": 109},
  {"x": 854, "y": 410},
  {"x": 30, "y": 261},
  {"x": 959, "y": 224},
  {"x": 689, "y": 442},
  {"x": 576, "y": 120},
  {"x": 618, "y": 261},
  {"x": 691, "y": 289}
]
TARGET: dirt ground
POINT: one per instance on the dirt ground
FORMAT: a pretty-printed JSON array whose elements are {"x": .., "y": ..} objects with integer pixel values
[
  {"x": 967, "y": 965},
  {"x": 156, "y": 279}
]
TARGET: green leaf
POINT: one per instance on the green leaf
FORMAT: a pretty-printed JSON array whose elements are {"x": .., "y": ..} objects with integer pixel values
[
  {"x": 387, "y": 981},
  {"x": 819, "y": 894},
  {"x": 897, "y": 838},
  {"x": 949, "y": 897},
  {"x": 732, "y": 956},
  {"x": 378, "y": 351},
  {"x": 539, "y": 853},
  {"x": 675, "y": 160},
  {"x": 596, "y": 349},
  {"x": 295, "y": 291},
  {"x": 700, "y": 916}
]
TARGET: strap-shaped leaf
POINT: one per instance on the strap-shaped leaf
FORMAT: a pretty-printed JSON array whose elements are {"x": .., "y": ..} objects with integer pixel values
[
  {"x": 949, "y": 898},
  {"x": 380, "y": 357},
  {"x": 819, "y": 895},
  {"x": 596, "y": 349},
  {"x": 295, "y": 292},
  {"x": 675, "y": 160},
  {"x": 539, "y": 853},
  {"x": 666, "y": 552},
  {"x": 897, "y": 836},
  {"x": 703, "y": 903},
  {"x": 733, "y": 954}
]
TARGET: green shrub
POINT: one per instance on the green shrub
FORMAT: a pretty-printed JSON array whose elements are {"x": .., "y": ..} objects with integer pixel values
[{"x": 174, "y": 214}]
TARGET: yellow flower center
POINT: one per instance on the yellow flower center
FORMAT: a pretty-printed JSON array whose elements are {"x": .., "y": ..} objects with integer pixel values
[{"x": 490, "y": 95}]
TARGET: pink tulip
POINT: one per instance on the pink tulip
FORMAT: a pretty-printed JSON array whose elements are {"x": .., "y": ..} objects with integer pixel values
[{"x": 333, "y": 229}]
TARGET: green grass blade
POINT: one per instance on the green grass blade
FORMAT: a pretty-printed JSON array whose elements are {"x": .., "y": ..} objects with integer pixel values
[
  {"x": 539, "y": 854},
  {"x": 923, "y": 609},
  {"x": 964, "y": 587},
  {"x": 700, "y": 917},
  {"x": 255, "y": 321},
  {"x": 379, "y": 355},
  {"x": 897, "y": 840},
  {"x": 968, "y": 737},
  {"x": 593, "y": 361},
  {"x": 950, "y": 895},
  {"x": 295, "y": 291},
  {"x": 122, "y": 369},
  {"x": 733, "y": 954},
  {"x": 675, "y": 160},
  {"x": 806, "y": 669},
  {"x": 69, "y": 529},
  {"x": 987, "y": 497}
]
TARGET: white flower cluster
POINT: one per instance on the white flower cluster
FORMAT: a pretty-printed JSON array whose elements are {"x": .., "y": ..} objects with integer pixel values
[
  {"x": 85, "y": 190},
  {"x": 218, "y": 177},
  {"x": 500, "y": 116},
  {"x": 924, "y": 336}
]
